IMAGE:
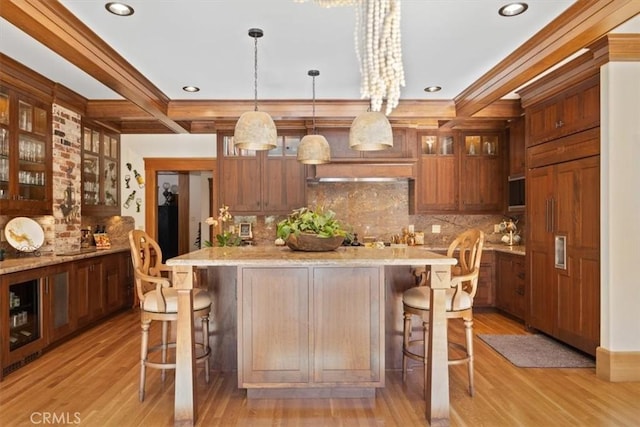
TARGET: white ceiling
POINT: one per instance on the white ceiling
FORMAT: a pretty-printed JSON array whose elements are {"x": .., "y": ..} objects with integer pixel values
[{"x": 205, "y": 43}]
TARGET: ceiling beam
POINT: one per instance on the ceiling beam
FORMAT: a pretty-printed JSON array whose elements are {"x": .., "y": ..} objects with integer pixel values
[
  {"x": 53, "y": 25},
  {"x": 579, "y": 26}
]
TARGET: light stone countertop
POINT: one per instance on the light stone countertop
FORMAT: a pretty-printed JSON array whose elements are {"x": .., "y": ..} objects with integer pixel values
[
  {"x": 283, "y": 254},
  {"x": 344, "y": 256},
  {"x": 28, "y": 261}
]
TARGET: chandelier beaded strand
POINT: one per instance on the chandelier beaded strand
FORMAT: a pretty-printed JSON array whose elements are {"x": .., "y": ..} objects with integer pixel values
[{"x": 378, "y": 49}]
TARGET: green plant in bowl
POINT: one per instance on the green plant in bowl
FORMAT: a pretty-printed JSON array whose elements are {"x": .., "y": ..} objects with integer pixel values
[{"x": 312, "y": 230}]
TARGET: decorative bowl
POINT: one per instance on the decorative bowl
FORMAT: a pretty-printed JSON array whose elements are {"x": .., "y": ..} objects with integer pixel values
[{"x": 313, "y": 243}]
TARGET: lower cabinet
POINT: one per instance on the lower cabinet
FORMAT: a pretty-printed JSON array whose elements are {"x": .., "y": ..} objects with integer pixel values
[
  {"x": 510, "y": 284},
  {"x": 41, "y": 306},
  {"x": 486, "y": 281},
  {"x": 310, "y": 327},
  {"x": 88, "y": 287},
  {"x": 61, "y": 320}
]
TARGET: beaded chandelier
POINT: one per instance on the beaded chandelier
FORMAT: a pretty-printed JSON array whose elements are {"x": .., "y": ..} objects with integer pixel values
[{"x": 378, "y": 49}]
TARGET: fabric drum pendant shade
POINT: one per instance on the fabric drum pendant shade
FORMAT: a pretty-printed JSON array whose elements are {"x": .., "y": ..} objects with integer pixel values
[
  {"x": 255, "y": 130},
  {"x": 370, "y": 131},
  {"x": 314, "y": 150}
]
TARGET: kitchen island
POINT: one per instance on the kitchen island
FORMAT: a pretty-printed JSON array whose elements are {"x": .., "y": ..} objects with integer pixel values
[{"x": 311, "y": 323}]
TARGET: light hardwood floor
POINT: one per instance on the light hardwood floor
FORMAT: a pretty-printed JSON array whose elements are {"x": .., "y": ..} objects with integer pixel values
[{"x": 92, "y": 380}]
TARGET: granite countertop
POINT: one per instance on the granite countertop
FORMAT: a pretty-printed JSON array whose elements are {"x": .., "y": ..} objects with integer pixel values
[
  {"x": 258, "y": 254},
  {"x": 282, "y": 256},
  {"x": 29, "y": 261}
]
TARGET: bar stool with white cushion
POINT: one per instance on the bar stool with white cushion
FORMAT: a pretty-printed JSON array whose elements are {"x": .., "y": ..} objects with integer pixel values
[
  {"x": 459, "y": 301},
  {"x": 159, "y": 301}
]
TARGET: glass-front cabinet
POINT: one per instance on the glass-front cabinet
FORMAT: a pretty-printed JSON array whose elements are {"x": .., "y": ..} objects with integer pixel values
[
  {"x": 482, "y": 172},
  {"x": 262, "y": 182},
  {"x": 25, "y": 154},
  {"x": 437, "y": 183},
  {"x": 100, "y": 171}
]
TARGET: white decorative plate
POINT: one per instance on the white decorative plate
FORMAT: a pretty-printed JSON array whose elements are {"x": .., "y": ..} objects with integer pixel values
[{"x": 24, "y": 234}]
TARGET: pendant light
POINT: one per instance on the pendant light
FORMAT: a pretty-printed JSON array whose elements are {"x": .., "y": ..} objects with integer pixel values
[
  {"x": 314, "y": 149},
  {"x": 370, "y": 131},
  {"x": 255, "y": 130}
]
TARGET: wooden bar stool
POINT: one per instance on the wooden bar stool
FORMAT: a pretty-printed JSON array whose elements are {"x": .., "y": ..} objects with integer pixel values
[
  {"x": 159, "y": 301},
  {"x": 459, "y": 304}
]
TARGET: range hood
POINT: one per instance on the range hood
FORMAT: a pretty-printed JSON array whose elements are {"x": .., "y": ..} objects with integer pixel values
[{"x": 365, "y": 171}]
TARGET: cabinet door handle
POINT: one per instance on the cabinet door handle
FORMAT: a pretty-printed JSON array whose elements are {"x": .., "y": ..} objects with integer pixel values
[
  {"x": 552, "y": 226},
  {"x": 546, "y": 215},
  {"x": 46, "y": 285}
]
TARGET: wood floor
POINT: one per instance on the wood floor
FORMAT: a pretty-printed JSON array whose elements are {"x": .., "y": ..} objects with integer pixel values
[{"x": 92, "y": 380}]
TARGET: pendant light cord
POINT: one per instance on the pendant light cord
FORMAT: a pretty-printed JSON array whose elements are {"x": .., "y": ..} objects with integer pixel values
[
  {"x": 314, "y": 103},
  {"x": 255, "y": 73}
]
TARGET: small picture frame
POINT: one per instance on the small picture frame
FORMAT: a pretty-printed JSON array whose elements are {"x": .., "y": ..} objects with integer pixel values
[{"x": 245, "y": 231}]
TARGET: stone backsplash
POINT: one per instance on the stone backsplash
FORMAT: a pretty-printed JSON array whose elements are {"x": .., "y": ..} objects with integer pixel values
[{"x": 380, "y": 210}]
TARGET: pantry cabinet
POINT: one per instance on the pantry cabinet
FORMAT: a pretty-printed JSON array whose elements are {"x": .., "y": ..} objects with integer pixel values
[
  {"x": 25, "y": 154},
  {"x": 264, "y": 182},
  {"x": 563, "y": 208}
]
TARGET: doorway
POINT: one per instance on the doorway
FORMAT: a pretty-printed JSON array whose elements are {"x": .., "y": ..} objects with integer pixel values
[{"x": 181, "y": 167}]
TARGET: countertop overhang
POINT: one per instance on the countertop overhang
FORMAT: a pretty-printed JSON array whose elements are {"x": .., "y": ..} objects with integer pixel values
[{"x": 278, "y": 256}]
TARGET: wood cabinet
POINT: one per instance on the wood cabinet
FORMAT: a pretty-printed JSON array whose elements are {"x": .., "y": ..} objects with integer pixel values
[
  {"x": 564, "y": 247},
  {"x": 89, "y": 290},
  {"x": 516, "y": 148},
  {"x": 436, "y": 186},
  {"x": 563, "y": 214},
  {"x": 302, "y": 327},
  {"x": 574, "y": 110},
  {"x": 486, "y": 281},
  {"x": 510, "y": 284},
  {"x": 41, "y": 306},
  {"x": 261, "y": 182},
  {"x": 338, "y": 138},
  {"x": 482, "y": 177},
  {"x": 459, "y": 172},
  {"x": 100, "y": 170},
  {"x": 25, "y": 154},
  {"x": 61, "y": 317}
]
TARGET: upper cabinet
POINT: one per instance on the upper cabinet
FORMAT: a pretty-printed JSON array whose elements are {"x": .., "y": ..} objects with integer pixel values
[
  {"x": 482, "y": 180},
  {"x": 573, "y": 110},
  {"x": 460, "y": 172},
  {"x": 100, "y": 171},
  {"x": 25, "y": 154},
  {"x": 436, "y": 185},
  {"x": 265, "y": 182},
  {"x": 516, "y": 148},
  {"x": 338, "y": 139}
]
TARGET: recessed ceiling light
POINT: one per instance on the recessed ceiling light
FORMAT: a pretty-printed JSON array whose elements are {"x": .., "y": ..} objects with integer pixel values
[
  {"x": 432, "y": 88},
  {"x": 119, "y": 9},
  {"x": 513, "y": 9},
  {"x": 190, "y": 88}
]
